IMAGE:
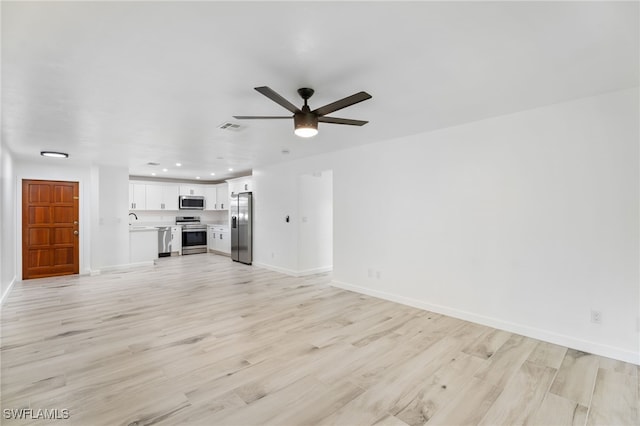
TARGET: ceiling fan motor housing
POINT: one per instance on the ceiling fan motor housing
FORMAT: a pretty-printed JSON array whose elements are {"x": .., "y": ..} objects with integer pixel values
[{"x": 305, "y": 119}]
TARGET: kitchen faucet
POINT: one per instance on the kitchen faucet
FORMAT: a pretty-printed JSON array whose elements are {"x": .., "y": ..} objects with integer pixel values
[{"x": 134, "y": 215}]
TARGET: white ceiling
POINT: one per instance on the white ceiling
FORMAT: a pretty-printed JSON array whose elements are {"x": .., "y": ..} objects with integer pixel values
[{"x": 122, "y": 83}]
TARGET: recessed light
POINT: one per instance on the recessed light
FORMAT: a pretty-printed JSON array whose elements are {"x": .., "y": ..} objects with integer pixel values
[
  {"x": 153, "y": 174},
  {"x": 165, "y": 170},
  {"x": 230, "y": 169},
  {"x": 197, "y": 177},
  {"x": 178, "y": 164},
  {"x": 54, "y": 154},
  {"x": 213, "y": 174}
]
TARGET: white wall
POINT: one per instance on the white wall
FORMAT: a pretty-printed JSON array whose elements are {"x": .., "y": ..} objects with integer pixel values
[
  {"x": 525, "y": 222},
  {"x": 315, "y": 224},
  {"x": 110, "y": 224},
  {"x": 276, "y": 243},
  {"x": 7, "y": 223}
]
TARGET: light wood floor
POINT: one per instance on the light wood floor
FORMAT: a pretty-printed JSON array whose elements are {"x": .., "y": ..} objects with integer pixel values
[{"x": 202, "y": 340}]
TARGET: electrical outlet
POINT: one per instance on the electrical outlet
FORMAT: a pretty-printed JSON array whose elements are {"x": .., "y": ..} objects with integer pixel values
[
  {"x": 596, "y": 317},
  {"x": 370, "y": 273}
]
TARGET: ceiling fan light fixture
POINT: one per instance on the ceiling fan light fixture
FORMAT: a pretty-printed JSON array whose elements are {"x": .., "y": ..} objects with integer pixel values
[
  {"x": 306, "y": 125},
  {"x": 306, "y": 132}
]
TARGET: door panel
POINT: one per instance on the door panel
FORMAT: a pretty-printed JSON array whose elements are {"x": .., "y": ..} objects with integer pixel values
[
  {"x": 63, "y": 236},
  {"x": 39, "y": 258},
  {"x": 63, "y": 256},
  {"x": 39, "y": 193},
  {"x": 63, "y": 194},
  {"x": 39, "y": 215},
  {"x": 63, "y": 215},
  {"x": 39, "y": 237},
  {"x": 50, "y": 229}
]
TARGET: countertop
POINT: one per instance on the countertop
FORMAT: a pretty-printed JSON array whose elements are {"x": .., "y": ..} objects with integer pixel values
[{"x": 142, "y": 228}]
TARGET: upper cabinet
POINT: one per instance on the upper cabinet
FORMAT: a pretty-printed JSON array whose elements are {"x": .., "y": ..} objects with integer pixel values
[
  {"x": 210, "y": 197},
  {"x": 216, "y": 197},
  {"x": 222, "y": 196},
  {"x": 192, "y": 190},
  {"x": 137, "y": 196},
  {"x": 162, "y": 197},
  {"x": 243, "y": 184}
]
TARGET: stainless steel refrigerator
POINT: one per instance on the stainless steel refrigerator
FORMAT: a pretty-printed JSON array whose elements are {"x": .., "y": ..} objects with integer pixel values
[{"x": 241, "y": 211}]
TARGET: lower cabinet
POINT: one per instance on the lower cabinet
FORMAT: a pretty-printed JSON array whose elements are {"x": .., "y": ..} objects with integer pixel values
[
  {"x": 211, "y": 238},
  {"x": 224, "y": 241},
  {"x": 218, "y": 239},
  {"x": 176, "y": 240}
]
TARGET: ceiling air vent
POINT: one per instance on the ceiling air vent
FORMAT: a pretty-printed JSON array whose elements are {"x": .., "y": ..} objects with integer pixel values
[
  {"x": 151, "y": 163},
  {"x": 230, "y": 126}
]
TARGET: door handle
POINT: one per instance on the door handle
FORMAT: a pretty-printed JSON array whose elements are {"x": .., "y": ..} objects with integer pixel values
[
  {"x": 75, "y": 232},
  {"x": 75, "y": 222},
  {"x": 233, "y": 222}
]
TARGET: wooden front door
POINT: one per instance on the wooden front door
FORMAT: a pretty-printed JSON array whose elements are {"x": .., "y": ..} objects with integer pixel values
[{"x": 50, "y": 231}]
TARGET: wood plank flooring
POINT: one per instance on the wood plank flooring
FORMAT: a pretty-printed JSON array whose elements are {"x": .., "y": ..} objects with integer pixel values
[{"x": 202, "y": 340}]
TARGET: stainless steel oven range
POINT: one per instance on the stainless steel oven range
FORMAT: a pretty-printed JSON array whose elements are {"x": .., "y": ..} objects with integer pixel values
[{"x": 194, "y": 234}]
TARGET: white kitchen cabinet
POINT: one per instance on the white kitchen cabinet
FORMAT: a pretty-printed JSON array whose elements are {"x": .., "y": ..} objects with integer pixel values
[
  {"x": 238, "y": 185},
  {"x": 224, "y": 242},
  {"x": 211, "y": 238},
  {"x": 176, "y": 240},
  {"x": 170, "y": 197},
  {"x": 210, "y": 197},
  {"x": 222, "y": 197},
  {"x": 137, "y": 196},
  {"x": 192, "y": 190},
  {"x": 154, "y": 197},
  {"x": 143, "y": 245},
  {"x": 160, "y": 196},
  {"x": 218, "y": 239}
]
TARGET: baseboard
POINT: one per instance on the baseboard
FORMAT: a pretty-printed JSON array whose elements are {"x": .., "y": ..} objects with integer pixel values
[
  {"x": 524, "y": 330},
  {"x": 315, "y": 271},
  {"x": 6, "y": 293},
  {"x": 293, "y": 273},
  {"x": 121, "y": 267},
  {"x": 276, "y": 269}
]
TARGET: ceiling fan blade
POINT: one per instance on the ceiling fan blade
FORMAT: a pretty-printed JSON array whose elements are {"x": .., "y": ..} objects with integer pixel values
[
  {"x": 277, "y": 98},
  {"x": 342, "y": 103},
  {"x": 342, "y": 121},
  {"x": 254, "y": 117}
]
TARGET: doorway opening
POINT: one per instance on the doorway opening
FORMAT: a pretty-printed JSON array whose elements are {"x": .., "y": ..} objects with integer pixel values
[{"x": 315, "y": 236}]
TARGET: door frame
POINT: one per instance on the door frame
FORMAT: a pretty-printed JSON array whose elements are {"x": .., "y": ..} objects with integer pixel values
[{"x": 69, "y": 175}]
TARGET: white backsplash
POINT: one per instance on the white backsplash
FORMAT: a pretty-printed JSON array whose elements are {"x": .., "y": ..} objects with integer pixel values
[{"x": 169, "y": 218}]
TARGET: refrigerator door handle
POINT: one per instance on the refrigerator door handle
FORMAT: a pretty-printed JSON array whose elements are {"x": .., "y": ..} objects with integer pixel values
[{"x": 234, "y": 222}]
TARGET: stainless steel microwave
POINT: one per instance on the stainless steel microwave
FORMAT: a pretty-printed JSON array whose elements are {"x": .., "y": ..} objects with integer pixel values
[{"x": 191, "y": 202}]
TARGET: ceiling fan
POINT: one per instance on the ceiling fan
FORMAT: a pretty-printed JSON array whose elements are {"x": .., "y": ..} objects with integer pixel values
[{"x": 306, "y": 121}]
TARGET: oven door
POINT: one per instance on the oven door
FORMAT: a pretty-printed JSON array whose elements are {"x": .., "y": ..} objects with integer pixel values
[{"x": 194, "y": 240}]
